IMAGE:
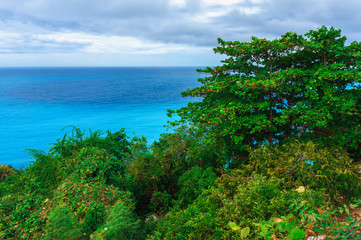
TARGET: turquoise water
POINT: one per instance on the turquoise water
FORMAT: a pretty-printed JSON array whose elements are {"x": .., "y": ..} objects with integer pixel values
[{"x": 36, "y": 103}]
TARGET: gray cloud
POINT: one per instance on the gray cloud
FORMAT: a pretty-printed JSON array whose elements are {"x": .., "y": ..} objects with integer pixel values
[{"x": 171, "y": 23}]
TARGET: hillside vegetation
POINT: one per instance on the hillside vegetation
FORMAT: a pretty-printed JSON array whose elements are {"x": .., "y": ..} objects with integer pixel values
[{"x": 271, "y": 152}]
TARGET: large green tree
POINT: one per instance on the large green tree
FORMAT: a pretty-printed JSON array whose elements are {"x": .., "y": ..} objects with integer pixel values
[{"x": 271, "y": 91}]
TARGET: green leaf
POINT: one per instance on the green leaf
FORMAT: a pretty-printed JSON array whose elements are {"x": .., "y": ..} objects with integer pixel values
[
  {"x": 234, "y": 226},
  {"x": 244, "y": 232},
  {"x": 296, "y": 234},
  {"x": 353, "y": 206}
]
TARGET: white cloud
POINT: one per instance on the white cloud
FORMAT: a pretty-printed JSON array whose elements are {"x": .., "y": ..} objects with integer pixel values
[
  {"x": 222, "y": 2},
  {"x": 259, "y": 1},
  {"x": 208, "y": 16},
  {"x": 250, "y": 10},
  {"x": 110, "y": 44},
  {"x": 177, "y": 3}
]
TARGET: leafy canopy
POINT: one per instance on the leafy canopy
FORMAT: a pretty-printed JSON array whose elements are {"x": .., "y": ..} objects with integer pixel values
[{"x": 270, "y": 91}]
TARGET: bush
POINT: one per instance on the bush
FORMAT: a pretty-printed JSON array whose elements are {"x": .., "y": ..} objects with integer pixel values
[
  {"x": 193, "y": 182},
  {"x": 115, "y": 143},
  {"x": 5, "y": 171},
  {"x": 309, "y": 165},
  {"x": 92, "y": 157},
  {"x": 92, "y": 164},
  {"x": 45, "y": 173},
  {"x": 121, "y": 223},
  {"x": 20, "y": 215},
  {"x": 62, "y": 224},
  {"x": 255, "y": 200},
  {"x": 89, "y": 202}
]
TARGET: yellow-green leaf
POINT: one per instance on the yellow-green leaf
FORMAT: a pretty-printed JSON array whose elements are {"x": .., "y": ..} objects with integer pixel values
[
  {"x": 353, "y": 205},
  {"x": 300, "y": 189},
  {"x": 234, "y": 226}
]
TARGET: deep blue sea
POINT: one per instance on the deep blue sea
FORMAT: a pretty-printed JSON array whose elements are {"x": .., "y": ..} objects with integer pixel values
[{"x": 36, "y": 103}]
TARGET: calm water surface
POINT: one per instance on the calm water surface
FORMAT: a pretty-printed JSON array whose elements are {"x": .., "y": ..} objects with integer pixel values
[{"x": 36, "y": 103}]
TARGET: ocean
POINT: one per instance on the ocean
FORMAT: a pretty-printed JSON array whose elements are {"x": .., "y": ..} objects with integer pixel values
[{"x": 37, "y": 103}]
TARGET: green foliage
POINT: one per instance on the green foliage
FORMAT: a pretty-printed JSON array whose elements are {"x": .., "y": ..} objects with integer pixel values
[
  {"x": 197, "y": 221},
  {"x": 13, "y": 183},
  {"x": 115, "y": 143},
  {"x": 93, "y": 158},
  {"x": 303, "y": 87},
  {"x": 94, "y": 216},
  {"x": 324, "y": 222},
  {"x": 21, "y": 215},
  {"x": 193, "y": 182},
  {"x": 327, "y": 226},
  {"x": 144, "y": 172},
  {"x": 309, "y": 165},
  {"x": 242, "y": 232},
  {"x": 5, "y": 171},
  {"x": 142, "y": 165},
  {"x": 156, "y": 169},
  {"x": 171, "y": 154},
  {"x": 89, "y": 202},
  {"x": 121, "y": 223},
  {"x": 255, "y": 200},
  {"x": 94, "y": 164},
  {"x": 45, "y": 173},
  {"x": 161, "y": 202},
  {"x": 307, "y": 221},
  {"x": 62, "y": 224},
  {"x": 284, "y": 228},
  {"x": 262, "y": 198},
  {"x": 101, "y": 157}
]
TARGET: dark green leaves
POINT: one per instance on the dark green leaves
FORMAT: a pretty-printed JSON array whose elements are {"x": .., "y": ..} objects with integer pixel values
[{"x": 269, "y": 91}]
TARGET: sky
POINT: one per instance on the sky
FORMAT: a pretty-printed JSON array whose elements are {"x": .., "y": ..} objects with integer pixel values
[{"x": 154, "y": 32}]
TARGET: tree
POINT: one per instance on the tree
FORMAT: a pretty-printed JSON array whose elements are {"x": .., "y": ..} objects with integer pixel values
[{"x": 271, "y": 91}]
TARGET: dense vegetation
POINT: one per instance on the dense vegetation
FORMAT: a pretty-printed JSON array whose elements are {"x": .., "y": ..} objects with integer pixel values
[{"x": 271, "y": 152}]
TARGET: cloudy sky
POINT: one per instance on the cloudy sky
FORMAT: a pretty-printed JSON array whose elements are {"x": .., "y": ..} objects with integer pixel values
[{"x": 154, "y": 32}]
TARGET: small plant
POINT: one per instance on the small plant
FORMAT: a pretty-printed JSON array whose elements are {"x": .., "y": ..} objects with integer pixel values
[
  {"x": 244, "y": 232},
  {"x": 283, "y": 228},
  {"x": 329, "y": 223}
]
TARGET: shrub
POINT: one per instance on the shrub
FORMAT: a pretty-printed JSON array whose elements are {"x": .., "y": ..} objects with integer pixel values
[
  {"x": 88, "y": 201},
  {"x": 92, "y": 164},
  {"x": 160, "y": 202},
  {"x": 255, "y": 200},
  {"x": 116, "y": 143},
  {"x": 5, "y": 171},
  {"x": 62, "y": 224},
  {"x": 121, "y": 223},
  {"x": 309, "y": 165},
  {"x": 45, "y": 173},
  {"x": 20, "y": 215},
  {"x": 92, "y": 157},
  {"x": 193, "y": 182}
]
